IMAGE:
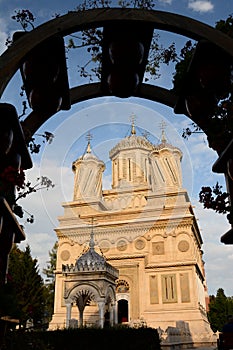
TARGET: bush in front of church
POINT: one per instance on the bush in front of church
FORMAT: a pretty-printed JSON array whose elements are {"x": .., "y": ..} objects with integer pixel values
[{"x": 86, "y": 339}]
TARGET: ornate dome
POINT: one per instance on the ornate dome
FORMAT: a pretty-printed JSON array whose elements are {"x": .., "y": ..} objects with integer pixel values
[
  {"x": 131, "y": 142},
  {"x": 87, "y": 156},
  {"x": 91, "y": 259},
  {"x": 165, "y": 145}
]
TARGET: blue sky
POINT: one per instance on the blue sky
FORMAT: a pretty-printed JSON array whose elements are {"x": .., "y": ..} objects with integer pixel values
[{"x": 108, "y": 120}]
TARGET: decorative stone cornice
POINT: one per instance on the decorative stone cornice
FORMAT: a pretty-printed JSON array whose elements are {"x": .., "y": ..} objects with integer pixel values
[
  {"x": 94, "y": 266},
  {"x": 171, "y": 264},
  {"x": 164, "y": 227},
  {"x": 123, "y": 257}
]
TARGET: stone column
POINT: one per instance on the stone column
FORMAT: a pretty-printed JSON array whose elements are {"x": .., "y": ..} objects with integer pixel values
[
  {"x": 68, "y": 314},
  {"x": 111, "y": 311},
  {"x": 116, "y": 313},
  {"x": 101, "y": 305},
  {"x": 81, "y": 317}
]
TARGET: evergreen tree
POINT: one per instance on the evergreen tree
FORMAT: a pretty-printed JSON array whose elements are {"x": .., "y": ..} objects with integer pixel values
[
  {"x": 220, "y": 308},
  {"x": 27, "y": 285},
  {"x": 49, "y": 271}
]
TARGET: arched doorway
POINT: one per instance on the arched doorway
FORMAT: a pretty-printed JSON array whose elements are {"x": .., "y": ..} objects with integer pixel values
[
  {"x": 122, "y": 290},
  {"x": 123, "y": 311}
]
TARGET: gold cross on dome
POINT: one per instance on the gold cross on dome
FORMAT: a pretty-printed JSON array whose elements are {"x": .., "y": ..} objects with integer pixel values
[{"x": 132, "y": 119}]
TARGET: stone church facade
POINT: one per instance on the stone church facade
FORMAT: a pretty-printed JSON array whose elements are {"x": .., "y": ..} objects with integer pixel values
[{"x": 145, "y": 227}]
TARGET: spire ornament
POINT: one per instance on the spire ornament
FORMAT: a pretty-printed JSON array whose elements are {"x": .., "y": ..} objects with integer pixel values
[
  {"x": 92, "y": 241},
  {"x": 89, "y": 137},
  {"x": 132, "y": 119}
]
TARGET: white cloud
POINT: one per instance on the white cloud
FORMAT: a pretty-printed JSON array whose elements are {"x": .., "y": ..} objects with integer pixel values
[{"x": 201, "y": 6}]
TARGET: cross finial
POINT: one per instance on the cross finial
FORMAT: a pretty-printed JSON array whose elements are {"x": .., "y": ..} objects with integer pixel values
[
  {"x": 163, "y": 125},
  {"x": 132, "y": 119},
  {"x": 89, "y": 137}
]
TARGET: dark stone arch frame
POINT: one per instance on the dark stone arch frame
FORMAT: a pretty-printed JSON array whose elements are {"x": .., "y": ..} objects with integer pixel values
[
  {"x": 79, "y": 20},
  {"x": 76, "y": 21}
]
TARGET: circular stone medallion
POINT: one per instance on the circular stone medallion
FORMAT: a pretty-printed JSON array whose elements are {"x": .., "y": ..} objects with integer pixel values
[
  {"x": 104, "y": 246},
  {"x": 122, "y": 245},
  {"x": 65, "y": 255},
  {"x": 140, "y": 244},
  {"x": 183, "y": 246}
]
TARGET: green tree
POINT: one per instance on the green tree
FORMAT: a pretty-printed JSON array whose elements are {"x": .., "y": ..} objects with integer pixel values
[
  {"x": 220, "y": 308},
  {"x": 49, "y": 272},
  {"x": 27, "y": 287}
]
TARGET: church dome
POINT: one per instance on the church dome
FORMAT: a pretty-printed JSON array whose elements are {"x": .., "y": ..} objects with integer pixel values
[
  {"x": 165, "y": 145},
  {"x": 89, "y": 156},
  {"x": 91, "y": 258},
  {"x": 131, "y": 142},
  {"x": 86, "y": 157}
]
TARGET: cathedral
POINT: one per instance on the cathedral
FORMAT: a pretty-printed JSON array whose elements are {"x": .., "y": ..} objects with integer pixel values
[{"x": 131, "y": 254}]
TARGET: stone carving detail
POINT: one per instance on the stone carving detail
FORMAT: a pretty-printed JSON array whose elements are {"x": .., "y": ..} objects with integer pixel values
[
  {"x": 122, "y": 245},
  {"x": 122, "y": 286},
  {"x": 65, "y": 255},
  {"x": 158, "y": 248},
  {"x": 183, "y": 246},
  {"x": 140, "y": 244},
  {"x": 104, "y": 246}
]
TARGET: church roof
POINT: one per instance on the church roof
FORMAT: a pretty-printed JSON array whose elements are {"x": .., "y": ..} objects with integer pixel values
[
  {"x": 91, "y": 261},
  {"x": 131, "y": 142},
  {"x": 167, "y": 145},
  {"x": 87, "y": 156},
  {"x": 91, "y": 258}
]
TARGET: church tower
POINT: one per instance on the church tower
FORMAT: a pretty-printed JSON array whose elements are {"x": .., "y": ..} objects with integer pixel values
[
  {"x": 88, "y": 171},
  {"x": 146, "y": 228}
]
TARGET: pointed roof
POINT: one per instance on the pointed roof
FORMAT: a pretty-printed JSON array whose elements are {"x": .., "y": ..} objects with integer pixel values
[
  {"x": 91, "y": 261},
  {"x": 163, "y": 140},
  {"x": 87, "y": 155},
  {"x": 91, "y": 258}
]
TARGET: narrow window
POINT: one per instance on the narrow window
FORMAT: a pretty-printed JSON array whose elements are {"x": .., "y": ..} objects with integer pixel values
[
  {"x": 169, "y": 293},
  {"x": 157, "y": 166}
]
